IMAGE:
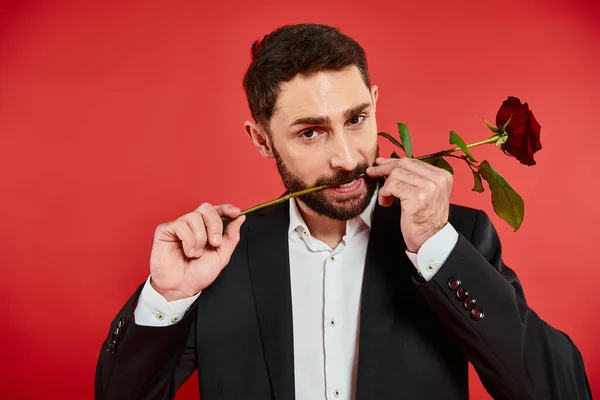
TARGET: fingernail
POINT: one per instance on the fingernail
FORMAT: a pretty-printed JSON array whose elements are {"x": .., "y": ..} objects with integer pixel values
[{"x": 216, "y": 238}]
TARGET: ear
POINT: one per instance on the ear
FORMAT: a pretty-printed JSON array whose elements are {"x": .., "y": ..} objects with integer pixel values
[
  {"x": 260, "y": 138},
  {"x": 374, "y": 95}
]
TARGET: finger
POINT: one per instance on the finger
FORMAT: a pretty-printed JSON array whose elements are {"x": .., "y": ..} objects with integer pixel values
[
  {"x": 386, "y": 168},
  {"x": 183, "y": 232},
  {"x": 425, "y": 184},
  {"x": 383, "y": 160},
  {"x": 407, "y": 177},
  {"x": 231, "y": 237},
  {"x": 196, "y": 223},
  {"x": 394, "y": 189},
  {"x": 212, "y": 222},
  {"x": 434, "y": 176},
  {"x": 421, "y": 167},
  {"x": 228, "y": 210},
  {"x": 382, "y": 169}
]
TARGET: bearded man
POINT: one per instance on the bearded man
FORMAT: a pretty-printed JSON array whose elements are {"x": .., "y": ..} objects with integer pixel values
[{"x": 377, "y": 288}]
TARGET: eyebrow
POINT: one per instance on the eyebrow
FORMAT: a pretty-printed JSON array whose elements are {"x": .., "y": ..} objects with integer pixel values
[{"x": 325, "y": 120}]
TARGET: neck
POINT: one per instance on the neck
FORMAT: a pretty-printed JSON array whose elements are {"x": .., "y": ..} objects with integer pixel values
[{"x": 327, "y": 230}]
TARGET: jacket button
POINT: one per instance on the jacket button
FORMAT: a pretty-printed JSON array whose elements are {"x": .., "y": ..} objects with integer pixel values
[
  {"x": 477, "y": 313},
  {"x": 461, "y": 294},
  {"x": 111, "y": 346},
  {"x": 454, "y": 283},
  {"x": 119, "y": 329},
  {"x": 469, "y": 303}
]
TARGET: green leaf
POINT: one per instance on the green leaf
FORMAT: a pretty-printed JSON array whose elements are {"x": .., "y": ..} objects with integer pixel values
[
  {"x": 478, "y": 186},
  {"x": 439, "y": 162},
  {"x": 492, "y": 127},
  {"x": 508, "y": 204},
  {"x": 405, "y": 139},
  {"x": 501, "y": 140},
  {"x": 394, "y": 155},
  {"x": 457, "y": 140},
  {"x": 391, "y": 139}
]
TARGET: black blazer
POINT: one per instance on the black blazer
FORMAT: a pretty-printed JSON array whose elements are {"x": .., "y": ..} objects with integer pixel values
[{"x": 415, "y": 338}]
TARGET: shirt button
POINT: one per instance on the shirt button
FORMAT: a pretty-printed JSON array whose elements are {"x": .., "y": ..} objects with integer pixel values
[
  {"x": 337, "y": 393},
  {"x": 305, "y": 233},
  {"x": 429, "y": 268},
  {"x": 160, "y": 316},
  {"x": 332, "y": 258},
  {"x": 175, "y": 319},
  {"x": 332, "y": 322}
]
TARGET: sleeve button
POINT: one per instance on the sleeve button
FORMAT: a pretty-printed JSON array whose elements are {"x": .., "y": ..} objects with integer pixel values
[
  {"x": 469, "y": 303},
  {"x": 477, "y": 313},
  {"x": 111, "y": 346},
  {"x": 454, "y": 283},
  {"x": 461, "y": 294}
]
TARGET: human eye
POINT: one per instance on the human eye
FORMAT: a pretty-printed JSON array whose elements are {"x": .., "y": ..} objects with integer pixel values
[
  {"x": 309, "y": 135},
  {"x": 357, "y": 119}
]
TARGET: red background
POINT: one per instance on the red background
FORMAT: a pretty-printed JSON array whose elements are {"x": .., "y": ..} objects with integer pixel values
[{"x": 115, "y": 118}]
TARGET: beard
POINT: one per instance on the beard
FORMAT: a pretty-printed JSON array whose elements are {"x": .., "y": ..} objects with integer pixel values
[{"x": 353, "y": 205}]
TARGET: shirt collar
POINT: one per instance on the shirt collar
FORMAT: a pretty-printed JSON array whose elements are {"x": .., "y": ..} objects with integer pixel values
[{"x": 352, "y": 225}]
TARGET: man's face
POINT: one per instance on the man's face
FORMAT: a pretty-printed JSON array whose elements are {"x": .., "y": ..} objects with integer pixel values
[{"x": 323, "y": 131}]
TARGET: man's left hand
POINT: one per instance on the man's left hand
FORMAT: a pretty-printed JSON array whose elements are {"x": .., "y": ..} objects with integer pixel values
[{"x": 424, "y": 193}]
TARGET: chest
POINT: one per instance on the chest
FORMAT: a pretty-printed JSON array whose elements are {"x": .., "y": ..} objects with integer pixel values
[{"x": 271, "y": 310}]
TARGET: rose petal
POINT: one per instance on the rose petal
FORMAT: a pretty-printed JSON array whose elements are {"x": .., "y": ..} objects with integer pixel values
[
  {"x": 517, "y": 112},
  {"x": 513, "y": 145},
  {"x": 534, "y": 132},
  {"x": 526, "y": 156},
  {"x": 518, "y": 146}
]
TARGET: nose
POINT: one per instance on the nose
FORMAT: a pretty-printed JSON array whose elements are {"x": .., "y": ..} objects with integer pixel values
[{"x": 344, "y": 154}]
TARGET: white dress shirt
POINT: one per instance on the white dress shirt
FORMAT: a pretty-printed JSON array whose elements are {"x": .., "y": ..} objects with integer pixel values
[{"x": 325, "y": 285}]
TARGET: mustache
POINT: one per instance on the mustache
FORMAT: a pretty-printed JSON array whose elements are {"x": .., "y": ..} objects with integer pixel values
[{"x": 344, "y": 177}]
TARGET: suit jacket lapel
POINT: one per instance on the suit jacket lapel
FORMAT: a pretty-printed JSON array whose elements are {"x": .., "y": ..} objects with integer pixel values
[
  {"x": 269, "y": 264},
  {"x": 385, "y": 265}
]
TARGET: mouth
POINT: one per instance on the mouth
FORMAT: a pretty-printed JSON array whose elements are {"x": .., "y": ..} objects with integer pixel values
[{"x": 350, "y": 187}]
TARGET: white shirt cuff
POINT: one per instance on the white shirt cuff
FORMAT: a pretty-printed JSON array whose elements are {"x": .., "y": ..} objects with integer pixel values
[
  {"x": 154, "y": 310},
  {"x": 434, "y": 252}
]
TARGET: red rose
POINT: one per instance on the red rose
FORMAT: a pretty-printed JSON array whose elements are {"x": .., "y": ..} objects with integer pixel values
[{"x": 523, "y": 130}]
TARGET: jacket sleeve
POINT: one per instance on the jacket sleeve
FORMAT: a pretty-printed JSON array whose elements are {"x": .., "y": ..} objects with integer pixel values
[
  {"x": 143, "y": 362},
  {"x": 481, "y": 303}
]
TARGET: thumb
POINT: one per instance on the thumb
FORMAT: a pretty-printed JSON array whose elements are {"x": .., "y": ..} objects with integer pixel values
[{"x": 231, "y": 237}]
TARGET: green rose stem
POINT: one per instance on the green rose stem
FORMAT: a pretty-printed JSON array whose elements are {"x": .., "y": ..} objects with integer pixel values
[
  {"x": 288, "y": 196},
  {"x": 492, "y": 139},
  {"x": 282, "y": 199}
]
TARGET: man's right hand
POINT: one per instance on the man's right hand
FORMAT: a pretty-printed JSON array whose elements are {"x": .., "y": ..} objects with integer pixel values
[{"x": 189, "y": 253}]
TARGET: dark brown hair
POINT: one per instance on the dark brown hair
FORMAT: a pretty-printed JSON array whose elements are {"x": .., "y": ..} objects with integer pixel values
[{"x": 292, "y": 50}]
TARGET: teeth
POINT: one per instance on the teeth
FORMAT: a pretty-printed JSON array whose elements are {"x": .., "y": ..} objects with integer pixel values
[{"x": 348, "y": 184}]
